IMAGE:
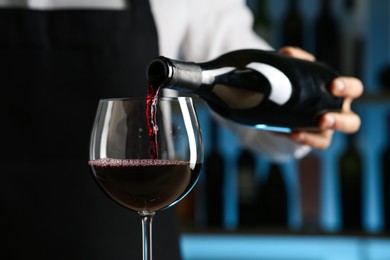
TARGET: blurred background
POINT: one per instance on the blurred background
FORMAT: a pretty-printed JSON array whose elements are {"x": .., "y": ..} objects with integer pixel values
[{"x": 333, "y": 204}]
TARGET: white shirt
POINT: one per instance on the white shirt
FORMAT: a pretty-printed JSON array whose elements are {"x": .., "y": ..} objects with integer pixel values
[
  {"x": 197, "y": 30},
  {"x": 185, "y": 27}
]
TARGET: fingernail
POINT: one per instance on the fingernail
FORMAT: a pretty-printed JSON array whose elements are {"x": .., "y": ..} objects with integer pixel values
[
  {"x": 339, "y": 85},
  {"x": 329, "y": 122}
]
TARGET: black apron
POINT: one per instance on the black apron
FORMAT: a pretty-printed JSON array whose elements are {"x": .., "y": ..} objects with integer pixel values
[{"x": 54, "y": 67}]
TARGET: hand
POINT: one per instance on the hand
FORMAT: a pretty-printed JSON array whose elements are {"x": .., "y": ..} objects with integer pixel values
[{"x": 345, "y": 121}]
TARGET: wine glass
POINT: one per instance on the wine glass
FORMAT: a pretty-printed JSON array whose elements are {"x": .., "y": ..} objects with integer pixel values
[{"x": 146, "y": 154}]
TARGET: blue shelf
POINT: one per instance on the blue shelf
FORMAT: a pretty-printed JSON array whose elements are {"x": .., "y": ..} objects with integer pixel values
[{"x": 283, "y": 247}]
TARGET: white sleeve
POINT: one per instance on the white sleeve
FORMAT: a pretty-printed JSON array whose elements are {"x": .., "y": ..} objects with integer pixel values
[{"x": 219, "y": 26}]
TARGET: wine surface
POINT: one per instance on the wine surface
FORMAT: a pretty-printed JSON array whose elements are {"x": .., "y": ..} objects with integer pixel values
[{"x": 145, "y": 185}]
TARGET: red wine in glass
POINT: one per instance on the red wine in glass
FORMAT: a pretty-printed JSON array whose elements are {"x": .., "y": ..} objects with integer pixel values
[{"x": 145, "y": 185}]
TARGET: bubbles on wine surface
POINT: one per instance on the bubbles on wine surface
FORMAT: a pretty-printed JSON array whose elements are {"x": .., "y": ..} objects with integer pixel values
[{"x": 112, "y": 162}]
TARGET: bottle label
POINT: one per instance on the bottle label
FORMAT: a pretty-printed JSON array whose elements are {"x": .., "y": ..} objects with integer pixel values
[{"x": 281, "y": 87}]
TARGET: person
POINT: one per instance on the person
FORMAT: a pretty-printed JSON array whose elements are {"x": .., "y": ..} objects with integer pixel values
[{"x": 58, "y": 58}]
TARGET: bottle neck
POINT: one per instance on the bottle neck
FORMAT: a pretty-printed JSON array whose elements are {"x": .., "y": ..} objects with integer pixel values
[
  {"x": 293, "y": 6},
  {"x": 326, "y": 6},
  {"x": 164, "y": 72}
]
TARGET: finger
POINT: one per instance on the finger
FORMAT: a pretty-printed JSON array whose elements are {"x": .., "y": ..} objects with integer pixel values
[
  {"x": 297, "y": 52},
  {"x": 347, "y": 87},
  {"x": 347, "y": 105},
  {"x": 347, "y": 122},
  {"x": 317, "y": 140}
]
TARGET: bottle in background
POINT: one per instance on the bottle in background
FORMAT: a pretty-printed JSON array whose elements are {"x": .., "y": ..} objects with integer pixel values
[
  {"x": 214, "y": 179},
  {"x": 273, "y": 199},
  {"x": 309, "y": 170},
  {"x": 351, "y": 176},
  {"x": 262, "y": 25},
  {"x": 327, "y": 36},
  {"x": 247, "y": 189},
  {"x": 293, "y": 26},
  {"x": 186, "y": 210},
  {"x": 386, "y": 181},
  {"x": 352, "y": 38}
]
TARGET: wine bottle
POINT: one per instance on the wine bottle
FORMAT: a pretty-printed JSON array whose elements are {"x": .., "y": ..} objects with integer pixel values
[
  {"x": 384, "y": 78},
  {"x": 273, "y": 199},
  {"x": 293, "y": 26},
  {"x": 262, "y": 24},
  {"x": 247, "y": 189},
  {"x": 262, "y": 89},
  {"x": 386, "y": 181},
  {"x": 309, "y": 183},
  {"x": 353, "y": 39},
  {"x": 186, "y": 210},
  {"x": 327, "y": 36},
  {"x": 351, "y": 174},
  {"x": 214, "y": 175}
]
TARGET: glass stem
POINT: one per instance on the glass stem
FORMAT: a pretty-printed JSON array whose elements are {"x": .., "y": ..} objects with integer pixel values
[{"x": 147, "y": 219}]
